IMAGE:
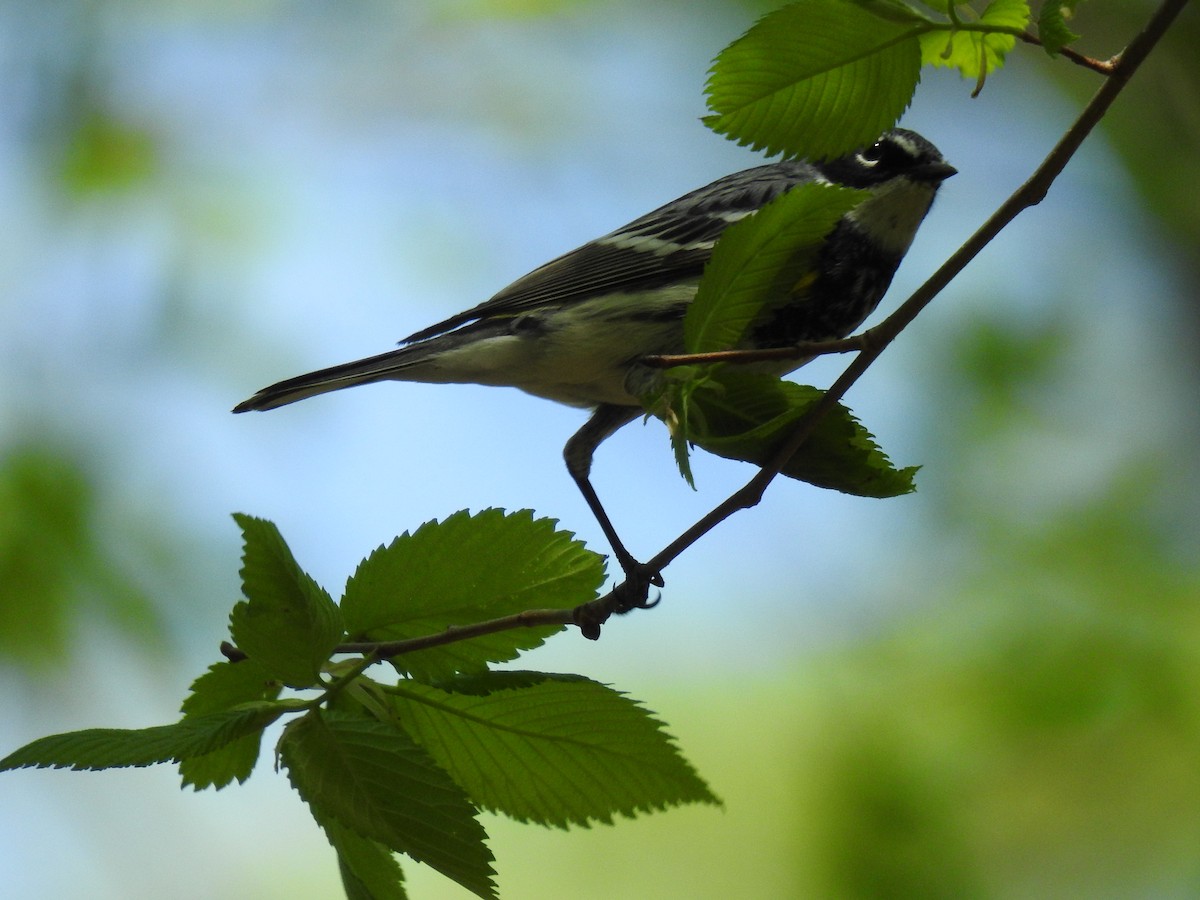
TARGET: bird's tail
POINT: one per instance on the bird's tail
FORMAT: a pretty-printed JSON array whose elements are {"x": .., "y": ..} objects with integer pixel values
[{"x": 393, "y": 365}]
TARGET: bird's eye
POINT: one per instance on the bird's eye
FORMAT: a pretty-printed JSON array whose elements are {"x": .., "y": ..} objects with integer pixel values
[{"x": 874, "y": 154}]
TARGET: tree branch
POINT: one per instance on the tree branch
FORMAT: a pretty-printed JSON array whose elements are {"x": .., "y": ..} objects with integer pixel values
[{"x": 530, "y": 618}]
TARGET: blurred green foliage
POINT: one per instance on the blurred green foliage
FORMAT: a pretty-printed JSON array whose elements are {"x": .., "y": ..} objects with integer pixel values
[
  {"x": 45, "y": 550},
  {"x": 1156, "y": 127},
  {"x": 102, "y": 153},
  {"x": 54, "y": 565}
]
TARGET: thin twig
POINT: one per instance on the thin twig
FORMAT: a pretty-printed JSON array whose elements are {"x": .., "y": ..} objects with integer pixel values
[
  {"x": 802, "y": 350},
  {"x": 530, "y": 618},
  {"x": 1102, "y": 66}
]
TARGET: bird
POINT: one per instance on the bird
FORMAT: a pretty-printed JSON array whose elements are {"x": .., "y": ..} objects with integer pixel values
[{"x": 576, "y": 329}]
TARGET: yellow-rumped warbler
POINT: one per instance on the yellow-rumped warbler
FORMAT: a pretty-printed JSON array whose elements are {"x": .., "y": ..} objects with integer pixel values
[{"x": 575, "y": 329}]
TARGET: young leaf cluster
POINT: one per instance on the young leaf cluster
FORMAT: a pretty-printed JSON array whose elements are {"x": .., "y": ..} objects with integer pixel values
[
  {"x": 1052, "y": 25},
  {"x": 405, "y": 767}
]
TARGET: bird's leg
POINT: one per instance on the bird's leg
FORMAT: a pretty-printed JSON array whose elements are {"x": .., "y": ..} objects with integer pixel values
[{"x": 578, "y": 453}]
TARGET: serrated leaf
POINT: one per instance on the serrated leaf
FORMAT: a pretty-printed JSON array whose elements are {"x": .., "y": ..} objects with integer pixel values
[
  {"x": 551, "y": 749},
  {"x": 466, "y": 569},
  {"x": 976, "y": 53},
  {"x": 288, "y": 624},
  {"x": 111, "y": 748},
  {"x": 745, "y": 416},
  {"x": 1052, "y": 25},
  {"x": 1006, "y": 13},
  {"x": 227, "y": 684},
  {"x": 369, "y": 870},
  {"x": 373, "y": 780},
  {"x": 944, "y": 6},
  {"x": 672, "y": 404},
  {"x": 223, "y": 686},
  {"x": 233, "y": 762},
  {"x": 893, "y": 10},
  {"x": 764, "y": 259},
  {"x": 814, "y": 79}
]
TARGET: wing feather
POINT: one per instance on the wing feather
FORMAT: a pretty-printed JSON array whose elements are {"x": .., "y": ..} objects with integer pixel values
[{"x": 669, "y": 245}]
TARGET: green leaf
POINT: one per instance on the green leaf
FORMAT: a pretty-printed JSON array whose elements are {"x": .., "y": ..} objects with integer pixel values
[
  {"x": 369, "y": 870},
  {"x": 289, "y": 625},
  {"x": 223, "y": 686},
  {"x": 228, "y": 684},
  {"x": 746, "y": 416},
  {"x": 464, "y": 570},
  {"x": 111, "y": 748},
  {"x": 671, "y": 402},
  {"x": 767, "y": 258},
  {"x": 814, "y": 79},
  {"x": 945, "y": 6},
  {"x": 373, "y": 780},
  {"x": 551, "y": 749},
  {"x": 978, "y": 52},
  {"x": 1052, "y": 25},
  {"x": 55, "y": 561},
  {"x": 893, "y": 11},
  {"x": 233, "y": 762}
]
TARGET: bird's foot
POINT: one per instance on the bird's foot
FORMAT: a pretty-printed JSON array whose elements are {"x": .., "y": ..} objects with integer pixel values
[{"x": 632, "y": 593}]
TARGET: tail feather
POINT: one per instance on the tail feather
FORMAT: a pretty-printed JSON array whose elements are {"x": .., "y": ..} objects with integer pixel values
[{"x": 383, "y": 367}]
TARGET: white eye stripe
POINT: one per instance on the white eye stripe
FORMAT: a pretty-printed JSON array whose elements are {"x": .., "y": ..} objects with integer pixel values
[{"x": 905, "y": 143}]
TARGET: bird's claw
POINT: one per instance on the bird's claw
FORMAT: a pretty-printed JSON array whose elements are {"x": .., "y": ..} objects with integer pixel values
[{"x": 634, "y": 591}]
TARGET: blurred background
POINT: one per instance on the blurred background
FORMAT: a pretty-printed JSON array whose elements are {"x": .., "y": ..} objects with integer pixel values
[{"x": 989, "y": 688}]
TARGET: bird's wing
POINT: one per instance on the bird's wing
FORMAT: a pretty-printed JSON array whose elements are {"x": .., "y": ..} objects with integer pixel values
[{"x": 669, "y": 245}]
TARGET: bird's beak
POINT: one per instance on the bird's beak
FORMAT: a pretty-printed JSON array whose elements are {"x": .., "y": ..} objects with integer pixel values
[{"x": 934, "y": 171}]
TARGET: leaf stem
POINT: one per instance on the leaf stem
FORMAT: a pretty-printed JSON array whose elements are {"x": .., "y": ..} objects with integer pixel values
[
  {"x": 345, "y": 679},
  {"x": 1101, "y": 66}
]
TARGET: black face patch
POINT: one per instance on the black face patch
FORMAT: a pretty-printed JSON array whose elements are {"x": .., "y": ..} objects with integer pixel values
[{"x": 854, "y": 276}]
